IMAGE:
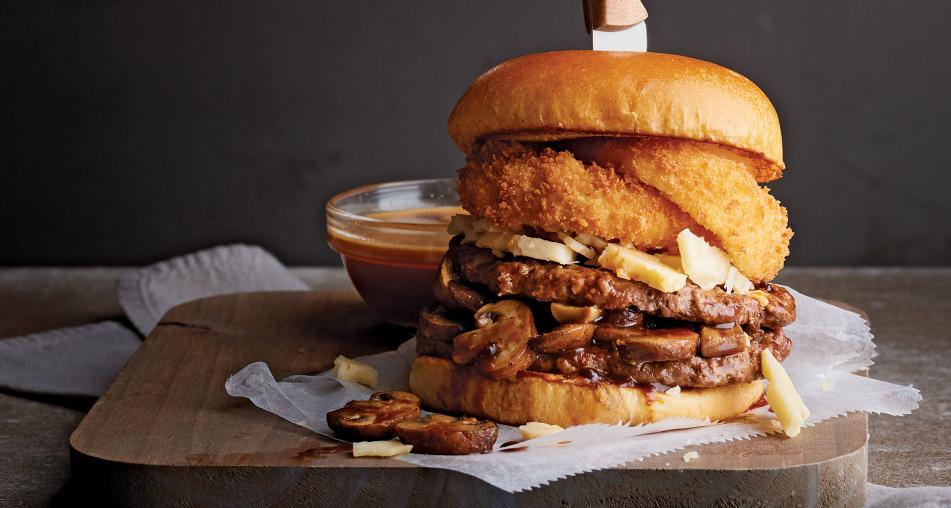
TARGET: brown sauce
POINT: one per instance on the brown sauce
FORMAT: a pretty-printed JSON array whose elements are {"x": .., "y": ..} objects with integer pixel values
[
  {"x": 433, "y": 215},
  {"x": 392, "y": 270}
]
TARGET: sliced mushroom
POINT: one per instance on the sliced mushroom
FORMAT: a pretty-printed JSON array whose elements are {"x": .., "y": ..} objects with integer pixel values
[
  {"x": 435, "y": 323},
  {"x": 637, "y": 345},
  {"x": 435, "y": 331},
  {"x": 564, "y": 338},
  {"x": 444, "y": 435},
  {"x": 575, "y": 314},
  {"x": 506, "y": 362},
  {"x": 716, "y": 342},
  {"x": 501, "y": 340},
  {"x": 396, "y": 395},
  {"x": 623, "y": 317},
  {"x": 374, "y": 419},
  {"x": 454, "y": 294}
]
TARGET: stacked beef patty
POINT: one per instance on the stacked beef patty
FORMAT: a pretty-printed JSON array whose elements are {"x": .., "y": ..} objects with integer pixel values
[{"x": 586, "y": 322}]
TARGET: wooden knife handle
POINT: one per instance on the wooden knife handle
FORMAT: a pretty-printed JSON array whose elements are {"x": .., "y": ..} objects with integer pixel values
[{"x": 612, "y": 15}]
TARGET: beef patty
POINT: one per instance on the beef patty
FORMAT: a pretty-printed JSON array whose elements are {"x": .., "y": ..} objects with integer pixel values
[
  {"x": 707, "y": 372},
  {"x": 582, "y": 285},
  {"x": 600, "y": 362}
]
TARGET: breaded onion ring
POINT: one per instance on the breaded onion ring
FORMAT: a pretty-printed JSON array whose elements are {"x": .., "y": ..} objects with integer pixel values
[
  {"x": 514, "y": 186},
  {"x": 713, "y": 185}
]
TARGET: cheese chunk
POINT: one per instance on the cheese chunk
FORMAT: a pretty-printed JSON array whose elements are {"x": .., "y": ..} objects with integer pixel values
[
  {"x": 531, "y": 430},
  {"x": 592, "y": 241},
  {"x": 782, "y": 396},
  {"x": 463, "y": 225},
  {"x": 633, "y": 264},
  {"x": 736, "y": 282},
  {"x": 522, "y": 245},
  {"x": 355, "y": 371},
  {"x": 671, "y": 261},
  {"x": 577, "y": 246},
  {"x": 706, "y": 265},
  {"x": 380, "y": 448}
]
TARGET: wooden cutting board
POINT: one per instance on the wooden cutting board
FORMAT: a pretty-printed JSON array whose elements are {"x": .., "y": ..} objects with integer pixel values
[{"x": 166, "y": 432}]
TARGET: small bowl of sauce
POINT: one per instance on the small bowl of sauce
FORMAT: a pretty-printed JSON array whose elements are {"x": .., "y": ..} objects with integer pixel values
[{"x": 391, "y": 238}]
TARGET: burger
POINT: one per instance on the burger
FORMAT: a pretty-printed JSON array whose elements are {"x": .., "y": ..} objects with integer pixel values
[{"x": 616, "y": 258}]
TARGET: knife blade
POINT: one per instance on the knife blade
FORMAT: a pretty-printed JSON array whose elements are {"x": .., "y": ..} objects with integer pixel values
[
  {"x": 631, "y": 39},
  {"x": 616, "y": 25}
]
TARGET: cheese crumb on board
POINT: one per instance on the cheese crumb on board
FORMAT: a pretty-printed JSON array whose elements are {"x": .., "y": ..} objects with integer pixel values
[
  {"x": 531, "y": 430},
  {"x": 355, "y": 371},
  {"x": 380, "y": 448}
]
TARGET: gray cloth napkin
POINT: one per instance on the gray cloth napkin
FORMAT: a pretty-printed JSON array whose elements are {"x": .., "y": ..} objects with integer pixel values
[
  {"x": 83, "y": 360},
  {"x": 146, "y": 295},
  {"x": 879, "y": 496},
  {"x": 76, "y": 361}
]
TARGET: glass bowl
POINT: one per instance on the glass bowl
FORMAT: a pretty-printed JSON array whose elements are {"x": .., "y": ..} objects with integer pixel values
[{"x": 391, "y": 238}]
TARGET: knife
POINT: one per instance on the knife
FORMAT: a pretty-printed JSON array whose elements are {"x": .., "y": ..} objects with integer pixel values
[{"x": 616, "y": 25}]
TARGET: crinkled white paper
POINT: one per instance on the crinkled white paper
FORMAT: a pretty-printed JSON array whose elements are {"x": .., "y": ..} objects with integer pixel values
[{"x": 828, "y": 344}]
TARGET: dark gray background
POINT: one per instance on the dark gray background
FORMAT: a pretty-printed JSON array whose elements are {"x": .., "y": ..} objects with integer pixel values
[{"x": 135, "y": 130}]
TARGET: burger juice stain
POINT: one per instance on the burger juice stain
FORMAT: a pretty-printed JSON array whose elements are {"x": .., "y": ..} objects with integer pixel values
[{"x": 321, "y": 452}]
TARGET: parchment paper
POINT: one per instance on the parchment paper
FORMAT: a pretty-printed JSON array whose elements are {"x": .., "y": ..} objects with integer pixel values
[{"x": 828, "y": 345}]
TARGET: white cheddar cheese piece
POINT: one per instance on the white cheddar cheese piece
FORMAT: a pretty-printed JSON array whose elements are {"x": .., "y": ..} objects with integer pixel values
[
  {"x": 531, "y": 430},
  {"x": 706, "y": 265},
  {"x": 380, "y": 448},
  {"x": 463, "y": 225},
  {"x": 355, "y": 371},
  {"x": 782, "y": 396},
  {"x": 671, "y": 261},
  {"x": 545, "y": 250},
  {"x": 577, "y": 246},
  {"x": 522, "y": 245},
  {"x": 595, "y": 242},
  {"x": 736, "y": 282},
  {"x": 633, "y": 264}
]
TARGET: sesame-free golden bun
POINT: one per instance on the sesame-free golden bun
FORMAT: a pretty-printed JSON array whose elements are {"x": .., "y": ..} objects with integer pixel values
[
  {"x": 557, "y": 400},
  {"x": 574, "y": 94}
]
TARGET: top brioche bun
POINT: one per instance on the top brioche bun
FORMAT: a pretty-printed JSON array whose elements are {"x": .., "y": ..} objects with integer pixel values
[{"x": 575, "y": 94}]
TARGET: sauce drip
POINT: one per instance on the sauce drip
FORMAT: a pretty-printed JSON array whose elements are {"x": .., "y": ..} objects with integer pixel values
[{"x": 320, "y": 451}]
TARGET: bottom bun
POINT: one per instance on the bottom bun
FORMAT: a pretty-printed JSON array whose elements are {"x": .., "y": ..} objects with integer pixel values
[{"x": 557, "y": 400}]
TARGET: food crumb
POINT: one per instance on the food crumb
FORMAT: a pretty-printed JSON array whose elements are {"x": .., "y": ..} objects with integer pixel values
[
  {"x": 691, "y": 456},
  {"x": 673, "y": 392}
]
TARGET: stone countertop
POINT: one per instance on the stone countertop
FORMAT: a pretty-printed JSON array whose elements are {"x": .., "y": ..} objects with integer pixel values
[{"x": 905, "y": 305}]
